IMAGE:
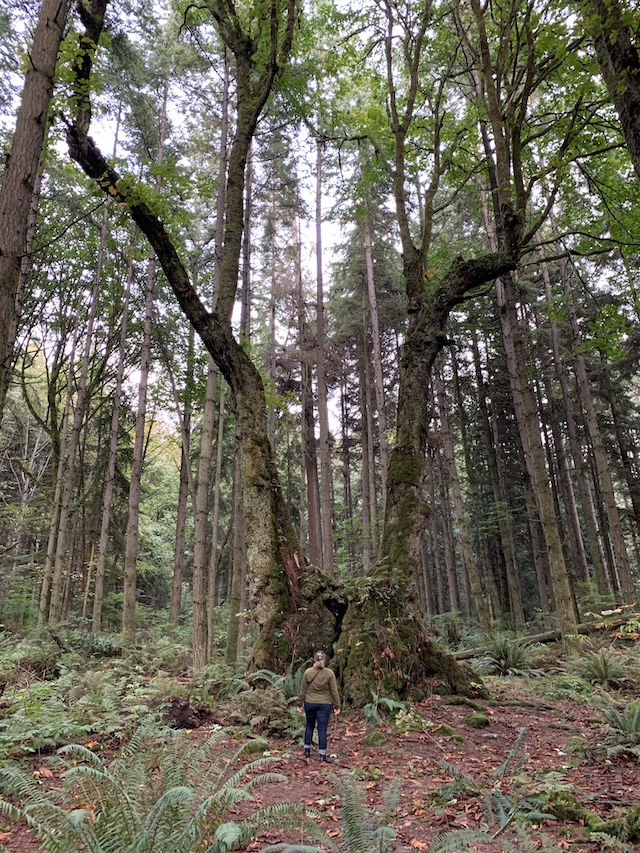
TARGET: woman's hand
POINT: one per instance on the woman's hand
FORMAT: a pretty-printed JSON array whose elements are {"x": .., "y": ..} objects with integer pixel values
[
  {"x": 336, "y": 711},
  {"x": 300, "y": 709}
]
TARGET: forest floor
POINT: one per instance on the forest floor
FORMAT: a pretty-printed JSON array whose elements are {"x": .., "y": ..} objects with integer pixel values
[{"x": 424, "y": 759}]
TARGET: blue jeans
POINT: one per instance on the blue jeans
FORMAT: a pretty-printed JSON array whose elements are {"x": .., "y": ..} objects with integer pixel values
[{"x": 317, "y": 713}]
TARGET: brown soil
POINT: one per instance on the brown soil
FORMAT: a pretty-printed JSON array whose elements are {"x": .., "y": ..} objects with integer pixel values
[{"x": 423, "y": 760}]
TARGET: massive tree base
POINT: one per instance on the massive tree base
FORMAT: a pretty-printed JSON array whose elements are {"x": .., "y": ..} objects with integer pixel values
[
  {"x": 395, "y": 657},
  {"x": 374, "y": 649}
]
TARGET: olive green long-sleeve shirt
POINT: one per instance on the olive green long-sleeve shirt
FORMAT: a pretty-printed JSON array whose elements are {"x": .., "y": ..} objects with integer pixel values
[{"x": 319, "y": 685}]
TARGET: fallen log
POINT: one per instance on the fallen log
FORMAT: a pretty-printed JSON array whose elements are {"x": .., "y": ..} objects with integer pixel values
[{"x": 553, "y": 636}]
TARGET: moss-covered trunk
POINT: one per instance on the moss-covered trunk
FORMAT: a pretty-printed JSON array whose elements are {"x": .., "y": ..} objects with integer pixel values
[{"x": 383, "y": 647}]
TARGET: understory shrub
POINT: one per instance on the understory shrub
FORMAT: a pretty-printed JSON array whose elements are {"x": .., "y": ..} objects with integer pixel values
[
  {"x": 625, "y": 727},
  {"x": 509, "y": 657},
  {"x": 266, "y": 711},
  {"x": 608, "y": 668}
]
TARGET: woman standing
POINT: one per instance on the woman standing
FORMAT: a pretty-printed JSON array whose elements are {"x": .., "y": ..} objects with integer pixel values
[{"x": 318, "y": 695}]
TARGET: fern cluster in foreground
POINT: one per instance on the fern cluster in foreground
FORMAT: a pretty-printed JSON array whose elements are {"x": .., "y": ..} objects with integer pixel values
[{"x": 163, "y": 792}]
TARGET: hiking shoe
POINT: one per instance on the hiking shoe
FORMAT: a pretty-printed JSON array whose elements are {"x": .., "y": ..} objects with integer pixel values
[
  {"x": 325, "y": 759},
  {"x": 307, "y": 752}
]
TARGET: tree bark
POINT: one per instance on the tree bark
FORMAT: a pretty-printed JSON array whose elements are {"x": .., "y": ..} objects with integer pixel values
[
  {"x": 213, "y": 557},
  {"x": 20, "y": 174},
  {"x": 377, "y": 355},
  {"x": 619, "y": 59},
  {"x": 183, "y": 490},
  {"x": 603, "y": 470},
  {"x": 61, "y": 562}
]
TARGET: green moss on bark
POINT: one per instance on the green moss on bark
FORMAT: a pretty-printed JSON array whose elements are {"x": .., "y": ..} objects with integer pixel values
[
  {"x": 391, "y": 655},
  {"x": 295, "y": 634}
]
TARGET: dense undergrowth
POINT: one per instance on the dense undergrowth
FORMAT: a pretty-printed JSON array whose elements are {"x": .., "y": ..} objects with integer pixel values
[{"x": 108, "y": 714}]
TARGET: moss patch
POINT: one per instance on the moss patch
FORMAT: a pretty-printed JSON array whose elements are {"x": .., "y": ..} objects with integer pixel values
[
  {"x": 448, "y": 731},
  {"x": 375, "y": 739},
  {"x": 476, "y": 720}
]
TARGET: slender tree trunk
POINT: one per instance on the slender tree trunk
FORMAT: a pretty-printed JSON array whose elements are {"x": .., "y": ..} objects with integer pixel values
[
  {"x": 495, "y": 465},
  {"x": 572, "y": 432},
  {"x": 200, "y": 546},
  {"x": 370, "y": 458},
  {"x": 485, "y": 578},
  {"x": 530, "y": 436},
  {"x": 131, "y": 548},
  {"x": 213, "y": 558},
  {"x": 21, "y": 170},
  {"x": 377, "y": 355},
  {"x": 468, "y": 557},
  {"x": 101, "y": 558},
  {"x": 447, "y": 537},
  {"x": 326, "y": 516},
  {"x": 61, "y": 564},
  {"x": 366, "y": 438},
  {"x": 59, "y": 459},
  {"x": 436, "y": 539},
  {"x": 627, "y": 449},
  {"x": 233, "y": 631},
  {"x": 603, "y": 470},
  {"x": 309, "y": 455},
  {"x": 184, "y": 488},
  {"x": 347, "y": 498}
]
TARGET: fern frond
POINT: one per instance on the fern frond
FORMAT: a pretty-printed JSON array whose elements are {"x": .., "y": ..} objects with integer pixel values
[
  {"x": 516, "y": 756},
  {"x": 456, "y": 839},
  {"x": 172, "y": 800},
  {"x": 81, "y": 753},
  {"x": 463, "y": 781}
]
